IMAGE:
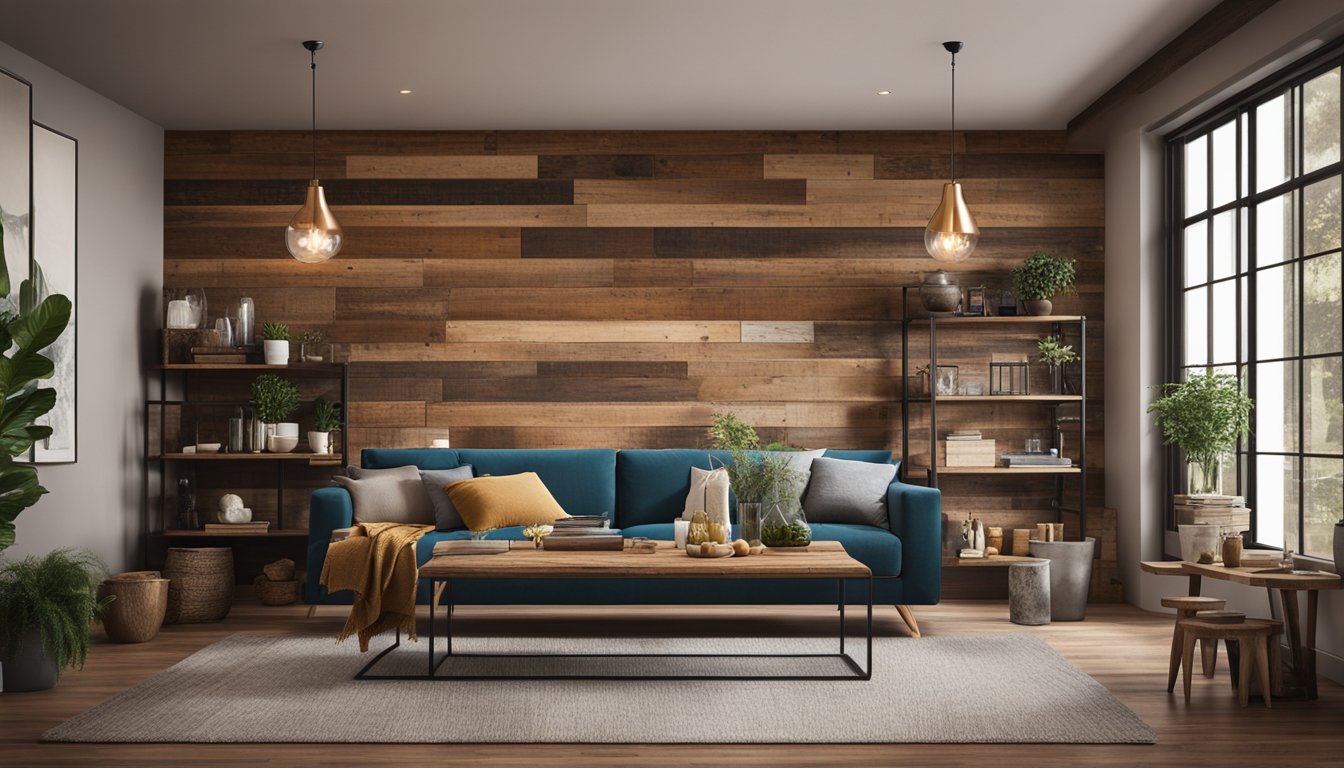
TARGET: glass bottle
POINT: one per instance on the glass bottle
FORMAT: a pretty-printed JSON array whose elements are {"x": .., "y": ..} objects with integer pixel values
[
  {"x": 247, "y": 322},
  {"x": 785, "y": 525},
  {"x": 186, "y": 505},
  {"x": 699, "y": 531}
]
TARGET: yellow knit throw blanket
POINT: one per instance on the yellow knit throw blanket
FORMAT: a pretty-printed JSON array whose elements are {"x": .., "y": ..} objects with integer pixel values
[{"x": 377, "y": 563}]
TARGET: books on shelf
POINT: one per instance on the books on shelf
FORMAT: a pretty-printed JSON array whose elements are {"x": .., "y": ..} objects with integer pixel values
[
  {"x": 257, "y": 526},
  {"x": 964, "y": 434},
  {"x": 1034, "y": 460},
  {"x": 1212, "y": 509}
]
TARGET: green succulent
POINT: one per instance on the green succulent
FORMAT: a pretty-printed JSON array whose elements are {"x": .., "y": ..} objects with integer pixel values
[{"x": 275, "y": 331}]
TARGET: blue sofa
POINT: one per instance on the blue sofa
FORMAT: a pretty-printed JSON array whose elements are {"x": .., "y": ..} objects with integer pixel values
[{"x": 644, "y": 491}]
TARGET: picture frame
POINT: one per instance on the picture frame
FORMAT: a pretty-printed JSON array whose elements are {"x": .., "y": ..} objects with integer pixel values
[
  {"x": 975, "y": 302},
  {"x": 54, "y": 270}
]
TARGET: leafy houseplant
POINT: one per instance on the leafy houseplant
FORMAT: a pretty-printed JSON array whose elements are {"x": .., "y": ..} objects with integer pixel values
[
  {"x": 46, "y": 605},
  {"x": 22, "y": 402},
  {"x": 275, "y": 399},
  {"x": 326, "y": 419},
  {"x": 275, "y": 343},
  {"x": 1041, "y": 277},
  {"x": 758, "y": 479},
  {"x": 1055, "y": 356},
  {"x": 1205, "y": 415}
]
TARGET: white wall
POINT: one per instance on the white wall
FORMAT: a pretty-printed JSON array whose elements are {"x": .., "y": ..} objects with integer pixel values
[
  {"x": 1132, "y": 134},
  {"x": 97, "y": 502}
]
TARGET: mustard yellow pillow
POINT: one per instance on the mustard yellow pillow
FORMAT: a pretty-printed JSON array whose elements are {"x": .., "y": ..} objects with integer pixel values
[{"x": 504, "y": 500}]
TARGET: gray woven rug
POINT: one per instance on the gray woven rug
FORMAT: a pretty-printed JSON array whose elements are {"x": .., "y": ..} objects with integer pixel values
[{"x": 268, "y": 688}]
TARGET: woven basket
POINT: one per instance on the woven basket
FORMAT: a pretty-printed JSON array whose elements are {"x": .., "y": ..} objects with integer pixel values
[
  {"x": 139, "y": 603},
  {"x": 280, "y": 570},
  {"x": 276, "y": 592},
  {"x": 201, "y": 587}
]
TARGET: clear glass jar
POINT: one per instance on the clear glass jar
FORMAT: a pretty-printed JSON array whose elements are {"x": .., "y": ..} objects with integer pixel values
[
  {"x": 785, "y": 525},
  {"x": 699, "y": 530}
]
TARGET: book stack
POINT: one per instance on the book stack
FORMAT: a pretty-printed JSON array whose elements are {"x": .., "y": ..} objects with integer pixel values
[
  {"x": 472, "y": 547},
  {"x": 966, "y": 448},
  {"x": 583, "y": 533},
  {"x": 237, "y": 529},
  {"x": 1033, "y": 460},
  {"x": 1212, "y": 509},
  {"x": 601, "y": 521},
  {"x": 964, "y": 434}
]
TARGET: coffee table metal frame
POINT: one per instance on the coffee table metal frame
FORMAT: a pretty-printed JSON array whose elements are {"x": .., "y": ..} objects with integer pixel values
[{"x": 442, "y": 587}]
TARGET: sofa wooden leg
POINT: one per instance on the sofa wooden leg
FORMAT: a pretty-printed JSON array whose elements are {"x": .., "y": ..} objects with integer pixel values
[
  {"x": 312, "y": 610},
  {"x": 909, "y": 618}
]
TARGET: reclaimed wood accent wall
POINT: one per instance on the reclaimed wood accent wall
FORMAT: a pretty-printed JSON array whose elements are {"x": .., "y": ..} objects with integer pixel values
[{"x": 575, "y": 289}]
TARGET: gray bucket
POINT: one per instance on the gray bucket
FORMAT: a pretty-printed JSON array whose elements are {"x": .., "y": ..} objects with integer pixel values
[{"x": 1070, "y": 575}]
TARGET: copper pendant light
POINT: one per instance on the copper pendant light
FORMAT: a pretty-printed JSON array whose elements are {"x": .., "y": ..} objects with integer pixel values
[
  {"x": 313, "y": 235},
  {"x": 951, "y": 234}
]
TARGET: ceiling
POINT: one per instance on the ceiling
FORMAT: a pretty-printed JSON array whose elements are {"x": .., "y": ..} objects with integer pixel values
[{"x": 597, "y": 64}]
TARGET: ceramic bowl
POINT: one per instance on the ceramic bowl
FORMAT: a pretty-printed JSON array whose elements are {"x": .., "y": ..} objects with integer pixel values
[
  {"x": 207, "y": 447},
  {"x": 281, "y": 443}
]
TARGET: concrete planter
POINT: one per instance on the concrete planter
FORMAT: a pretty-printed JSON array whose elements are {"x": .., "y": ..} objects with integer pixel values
[
  {"x": 1070, "y": 575},
  {"x": 28, "y": 667}
]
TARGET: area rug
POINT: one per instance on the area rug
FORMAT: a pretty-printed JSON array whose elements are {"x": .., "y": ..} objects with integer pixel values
[{"x": 992, "y": 688}]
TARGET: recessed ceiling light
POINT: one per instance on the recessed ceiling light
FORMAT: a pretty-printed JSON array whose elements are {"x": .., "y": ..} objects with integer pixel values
[
  {"x": 884, "y": 93},
  {"x": 404, "y": 91}
]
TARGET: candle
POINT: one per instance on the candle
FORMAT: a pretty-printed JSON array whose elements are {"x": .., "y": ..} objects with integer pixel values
[
  {"x": 679, "y": 530},
  {"x": 180, "y": 314}
]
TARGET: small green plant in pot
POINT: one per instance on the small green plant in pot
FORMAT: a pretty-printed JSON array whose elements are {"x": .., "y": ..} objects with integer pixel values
[
  {"x": 274, "y": 399},
  {"x": 1042, "y": 277},
  {"x": 762, "y": 482},
  {"x": 1205, "y": 416},
  {"x": 46, "y": 605},
  {"x": 275, "y": 343},
  {"x": 326, "y": 419},
  {"x": 1056, "y": 356}
]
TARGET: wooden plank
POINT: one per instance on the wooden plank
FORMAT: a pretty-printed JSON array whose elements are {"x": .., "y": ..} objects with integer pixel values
[
  {"x": 783, "y": 191},
  {"x": 526, "y": 414},
  {"x": 775, "y": 303},
  {"x": 381, "y": 192},
  {"x": 392, "y": 304},
  {"x": 372, "y": 273},
  {"x": 344, "y": 142},
  {"x": 665, "y": 142},
  {"x": 595, "y": 167},
  {"x": 608, "y": 369},
  {"x": 804, "y": 389},
  {"x": 387, "y": 414},
  {"x": 441, "y": 167},
  {"x": 1029, "y": 194},
  {"x": 861, "y": 243},
  {"x": 582, "y": 243},
  {"x": 740, "y": 166},
  {"x": 735, "y": 215},
  {"x": 818, "y": 166},
  {"x": 388, "y": 388},
  {"x": 205, "y": 242},
  {"x": 996, "y": 166},
  {"x": 860, "y": 273},
  {"x": 383, "y": 216},
  {"x": 226, "y": 165},
  {"x": 517, "y": 273},
  {"x": 777, "y": 332},
  {"x": 616, "y": 389},
  {"x": 837, "y": 367},
  {"x": 345, "y": 332},
  {"x": 908, "y": 212},
  {"x": 306, "y": 306},
  {"x": 578, "y": 437},
  {"x": 636, "y": 331},
  {"x": 652, "y": 273},
  {"x": 371, "y": 352},
  {"x": 439, "y": 370}
]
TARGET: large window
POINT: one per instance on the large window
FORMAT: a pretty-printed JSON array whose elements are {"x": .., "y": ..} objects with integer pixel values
[{"x": 1256, "y": 286}]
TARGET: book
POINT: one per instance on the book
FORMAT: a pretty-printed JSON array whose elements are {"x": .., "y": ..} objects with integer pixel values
[
  {"x": 583, "y": 521},
  {"x": 583, "y": 543},
  {"x": 971, "y": 554},
  {"x": 258, "y": 525},
  {"x": 471, "y": 547},
  {"x": 1033, "y": 460},
  {"x": 1209, "y": 500},
  {"x": 570, "y": 532}
]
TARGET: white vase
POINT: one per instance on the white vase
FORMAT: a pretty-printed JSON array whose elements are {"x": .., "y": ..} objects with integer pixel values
[
  {"x": 276, "y": 352},
  {"x": 319, "y": 442}
]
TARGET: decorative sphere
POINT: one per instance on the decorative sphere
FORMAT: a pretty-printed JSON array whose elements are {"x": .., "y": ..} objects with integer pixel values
[{"x": 230, "y": 501}]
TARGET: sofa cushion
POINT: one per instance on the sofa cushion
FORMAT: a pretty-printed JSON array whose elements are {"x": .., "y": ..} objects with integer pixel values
[
  {"x": 583, "y": 481},
  {"x": 503, "y": 501},
  {"x": 651, "y": 485},
  {"x": 708, "y": 488},
  {"x": 446, "y": 517},
  {"x": 388, "y": 495},
  {"x": 424, "y": 458},
  {"x": 800, "y": 462},
  {"x": 843, "y": 491}
]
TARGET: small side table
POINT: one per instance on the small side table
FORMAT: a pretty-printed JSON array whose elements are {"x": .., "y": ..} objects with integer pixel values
[{"x": 1029, "y": 593}]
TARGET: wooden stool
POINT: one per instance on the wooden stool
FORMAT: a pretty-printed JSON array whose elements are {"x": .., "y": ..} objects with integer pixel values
[
  {"x": 1259, "y": 651},
  {"x": 1186, "y": 608}
]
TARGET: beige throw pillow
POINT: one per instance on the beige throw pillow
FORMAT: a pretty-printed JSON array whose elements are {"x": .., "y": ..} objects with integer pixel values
[{"x": 388, "y": 496}]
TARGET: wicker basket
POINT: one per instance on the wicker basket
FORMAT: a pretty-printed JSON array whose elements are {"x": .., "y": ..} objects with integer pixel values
[
  {"x": 280, "y": 570},
  {"x": 276, "y": 592},
  {"x": 140, "y": 601},
  {"x": 201, "y": 587}
]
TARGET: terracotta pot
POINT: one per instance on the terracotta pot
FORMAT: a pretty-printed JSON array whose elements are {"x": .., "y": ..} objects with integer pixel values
[{"x": 1042, "y": 307}]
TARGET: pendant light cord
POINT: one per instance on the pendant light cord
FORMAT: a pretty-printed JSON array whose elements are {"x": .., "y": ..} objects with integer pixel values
[
  {"x": 954, "y": 117},
  {"x": 312, "y": 63}
]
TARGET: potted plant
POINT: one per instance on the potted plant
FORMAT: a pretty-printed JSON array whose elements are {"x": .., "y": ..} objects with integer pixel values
[
  {"x": 1056, "y": 356},
  {"x": 326, "y": 419},
  {"x": 46, "y": 605},
  {"x": 1040, "y": 278},
  {"x": 275, "y": 343},
  {"x": 758, "y": 479},
  {"x": 312, "y": 348},
  {"x": 1204, "y": 415},
  {"x": 275, "y": 399}
]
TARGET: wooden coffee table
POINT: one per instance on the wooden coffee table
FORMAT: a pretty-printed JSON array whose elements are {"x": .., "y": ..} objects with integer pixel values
[{"x": 825, "y": 560}]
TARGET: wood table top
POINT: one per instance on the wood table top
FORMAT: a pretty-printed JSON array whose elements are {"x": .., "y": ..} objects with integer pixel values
[
  {"x": 1253, "y": 576},
  {"x": 823, "y": 559}
]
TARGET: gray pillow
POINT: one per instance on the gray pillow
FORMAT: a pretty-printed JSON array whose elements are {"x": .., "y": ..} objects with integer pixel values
[
  {"x": 446, "y": 517},
  {"x": 387, "y": 495},
  {"x": 800, "y": 462},
  {"x": 843, "y": 491}
]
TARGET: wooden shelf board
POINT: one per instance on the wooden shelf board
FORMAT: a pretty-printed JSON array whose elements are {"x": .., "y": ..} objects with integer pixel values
[
  {"x": 282, "y": 533},
  {"x": 1001, "y": 470},
  {"x": 316, "y": 459},
  {"x": 1001, "y": 398},
  {"x": 291, "y": 367},
  {"x": 998, "y": 319},
  {"x": 1000, "y": 560}
]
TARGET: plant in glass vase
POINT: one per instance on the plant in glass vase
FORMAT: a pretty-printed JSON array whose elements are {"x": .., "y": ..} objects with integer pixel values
[
  {"x": 1056, "y": 356},
  {"x": 761, "y": 481},
  {"x": 1205, "y": 416}
]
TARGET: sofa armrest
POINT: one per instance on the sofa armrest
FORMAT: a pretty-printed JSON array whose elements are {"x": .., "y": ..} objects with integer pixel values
[
  {"x": 916, "y": 516},
  {"x": 329, "y": 509}
]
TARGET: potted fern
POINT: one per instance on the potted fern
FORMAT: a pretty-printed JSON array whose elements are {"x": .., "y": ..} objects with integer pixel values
[
  {"x": 326, "y": 419},
  {"x": 275, "y": 343},
  {"x": 46, "y": 605},
  {"x": 1040, "y": 278},
  {"x": 1205, "y": 416}
]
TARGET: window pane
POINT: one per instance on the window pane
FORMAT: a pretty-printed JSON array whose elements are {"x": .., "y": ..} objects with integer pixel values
[
  {"x": 1323, "y": 405},
  {"x": 1276, "y": 312},
  {"x": 1224, "y": 163},
  {"x": 1273, "y": 150},
  {"x": 1274, "y": 230},
  {"x": 1196, "y": 327},
  {"x": 1196, "y": 176},
  {"x": 1225, "y": 322},
  {"x": 1196, "y": 253},
  {"x": 1224, "y": 240},
  {"x": 1321, "y": 315},
  {"x": 1275, "y": 411},
  {"x": 1276, "y": 499},
  {"x": 1244, "y": 186},
  {"x": 1322, "y": 504},
  {"x": 1320, "y": 130},
  {"x": 1320, "y": 212}
]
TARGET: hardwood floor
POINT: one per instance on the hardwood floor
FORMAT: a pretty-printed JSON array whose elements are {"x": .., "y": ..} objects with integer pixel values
[{"x": 1123, "y": 648}]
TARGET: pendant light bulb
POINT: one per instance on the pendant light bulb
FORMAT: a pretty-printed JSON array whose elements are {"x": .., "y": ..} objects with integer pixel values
[
  {"x": 951, "y": 234},
  {"x": 313, "y": 235}
]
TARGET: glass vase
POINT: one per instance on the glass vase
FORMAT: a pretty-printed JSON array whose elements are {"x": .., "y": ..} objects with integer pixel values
[
  {"x": 785, "y": 525},
  {"x": 1205, "y": 478},
  {"x": 749, "y": 521}
]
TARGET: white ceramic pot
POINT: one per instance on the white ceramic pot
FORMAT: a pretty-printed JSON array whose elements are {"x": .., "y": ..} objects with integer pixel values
[
  {"x": 276, "y": 352},
  {"x": 319, "y": 442},
  {"x": 281, "y": 443},
  {"x": 287, "y": 429}
]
